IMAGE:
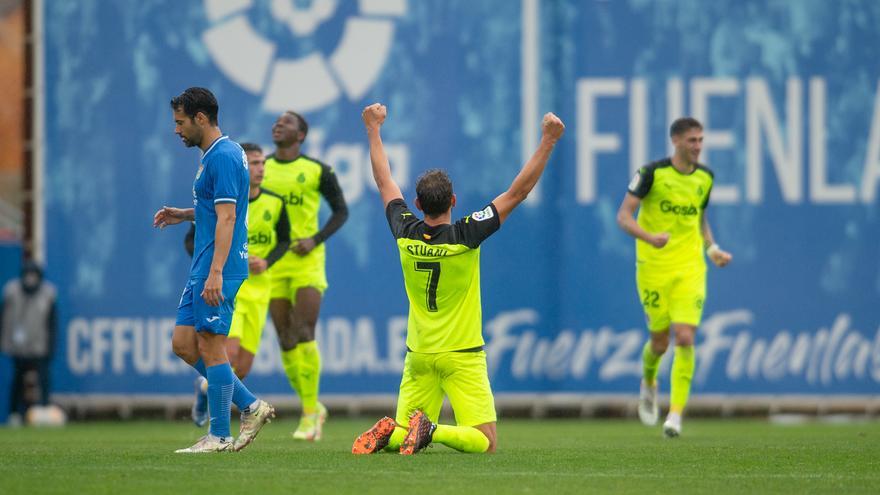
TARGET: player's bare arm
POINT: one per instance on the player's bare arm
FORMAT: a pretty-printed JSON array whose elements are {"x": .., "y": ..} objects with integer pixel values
[
  {"x": 627, "y": 222},
  {"x": 552, "y": 129},
  {"x": 374, "y": 116},
  {"x": 213, "y": 292},
  {"x": 171, "y": 216},
  {"x": 717, "y": 255}
]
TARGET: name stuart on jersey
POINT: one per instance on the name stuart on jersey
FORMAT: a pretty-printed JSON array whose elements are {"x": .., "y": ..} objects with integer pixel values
[{"x": 427, "y": 251}]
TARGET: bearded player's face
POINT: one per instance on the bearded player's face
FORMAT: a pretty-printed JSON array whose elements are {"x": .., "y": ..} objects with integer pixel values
[{"x": 187, "y": 129}]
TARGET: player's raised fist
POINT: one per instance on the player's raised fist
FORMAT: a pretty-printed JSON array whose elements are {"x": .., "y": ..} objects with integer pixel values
[
  {"x": 374, "y": 115},
  {"x": 552, "y": 126}
]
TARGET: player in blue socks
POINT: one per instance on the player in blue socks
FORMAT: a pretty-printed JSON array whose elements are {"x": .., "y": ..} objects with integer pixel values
[{"x": 219, "y": 266}]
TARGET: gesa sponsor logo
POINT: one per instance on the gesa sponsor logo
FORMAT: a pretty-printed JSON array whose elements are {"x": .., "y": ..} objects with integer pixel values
[{"x": 667, "y": 206}]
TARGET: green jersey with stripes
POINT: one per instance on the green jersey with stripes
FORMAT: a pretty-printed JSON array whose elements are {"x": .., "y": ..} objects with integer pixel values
[
  {"x": 441, "y": 272},
  {"x": 672, "y": 202}
]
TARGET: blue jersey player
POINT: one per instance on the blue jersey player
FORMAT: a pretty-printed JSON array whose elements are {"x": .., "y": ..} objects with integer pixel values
[{"x": 219, "y": 266}]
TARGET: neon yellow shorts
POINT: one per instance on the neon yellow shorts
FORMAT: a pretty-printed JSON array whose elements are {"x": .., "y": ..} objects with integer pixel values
[
  {"x": 671, "y": 296},
  {"x": 251, "y": 307},
  {"x": 285, "y": 287},
  {"x": 461, "y": 376}
]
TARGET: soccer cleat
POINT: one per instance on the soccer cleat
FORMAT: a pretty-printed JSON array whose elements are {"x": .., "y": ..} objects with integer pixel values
[
  {"x": 311, "y": 426},
  {"x": 376, "y": 438},
  {"x": 207, "y": 444},
  {"x": 252, "y": 422},
  {"x": 200, "y": 406},
  {"x": 419, "y": 434},
  {"x": 672, "y": 426},
  {"x": 649, "y": 412}
]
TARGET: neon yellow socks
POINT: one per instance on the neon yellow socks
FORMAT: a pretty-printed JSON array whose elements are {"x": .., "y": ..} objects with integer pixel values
[
  {"x": 650, "y": 363},
  {"x": 461, "y": 438},
  {"x": 302, "y": 365},
  {"x": 288, "y": 361},
  {"x": 396, "y": 439},
  {"x": 683, "y": 365},
  {"x": 308, "y": 359}
]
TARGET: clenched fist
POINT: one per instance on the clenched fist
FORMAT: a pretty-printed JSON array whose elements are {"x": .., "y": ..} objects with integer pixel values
[
  {"x": 552, "y": 126},
  {"x": 374, "y": 115}
]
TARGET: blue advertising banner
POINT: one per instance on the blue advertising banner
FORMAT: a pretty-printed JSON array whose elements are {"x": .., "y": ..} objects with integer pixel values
[{"x": 788, "y": 94}]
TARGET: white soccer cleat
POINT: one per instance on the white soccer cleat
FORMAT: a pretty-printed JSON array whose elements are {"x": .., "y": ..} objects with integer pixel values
[
  {"x": 649, "y": 411},
  {"x": 311, "y": 426},
  {"x": 252, "y": 422},
  {"x": 207, "y": 444},
  {"x": 672, "y": 426}
]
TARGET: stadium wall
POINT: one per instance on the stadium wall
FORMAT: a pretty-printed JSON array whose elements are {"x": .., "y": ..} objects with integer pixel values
[{"x": 788, "y": 93}]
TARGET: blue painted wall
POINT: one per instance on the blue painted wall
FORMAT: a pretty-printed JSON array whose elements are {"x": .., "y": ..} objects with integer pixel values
[{"x": 787, "y": 91}]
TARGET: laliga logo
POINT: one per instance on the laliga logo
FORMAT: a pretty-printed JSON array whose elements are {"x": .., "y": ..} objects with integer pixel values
[{"x": 310, "y": 82}]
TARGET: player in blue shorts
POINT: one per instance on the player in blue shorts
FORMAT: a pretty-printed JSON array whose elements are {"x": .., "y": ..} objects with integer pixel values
[{"x": 219, "y": 266}]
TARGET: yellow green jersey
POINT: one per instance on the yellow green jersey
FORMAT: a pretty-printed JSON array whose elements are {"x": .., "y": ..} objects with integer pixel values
[
  {"x": 301, "y": 183},
  {"x": 672, "y": 202},
  {"x": 268, "y": 227},
  {"x": 441, "y": 272}
]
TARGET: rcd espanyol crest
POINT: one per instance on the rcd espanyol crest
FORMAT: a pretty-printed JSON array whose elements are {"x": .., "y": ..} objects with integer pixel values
[{"x": 250, "y": 60}]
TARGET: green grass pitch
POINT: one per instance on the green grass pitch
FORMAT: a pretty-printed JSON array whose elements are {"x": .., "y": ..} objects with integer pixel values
[{"x": 535, "y": 456}]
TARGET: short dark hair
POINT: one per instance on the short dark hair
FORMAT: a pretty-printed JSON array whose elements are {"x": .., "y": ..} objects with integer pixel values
[
  {"x": 303, "y": 125},
  {"x": 195, "y": 100},
  {"x": 251, "y": 147},
  {"x": 434, "y": 191},
  {"x": 684, "y": 124}
]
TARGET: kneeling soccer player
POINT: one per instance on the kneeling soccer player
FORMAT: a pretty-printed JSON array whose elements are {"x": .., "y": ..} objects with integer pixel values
[{"x": 441, "y": 269}]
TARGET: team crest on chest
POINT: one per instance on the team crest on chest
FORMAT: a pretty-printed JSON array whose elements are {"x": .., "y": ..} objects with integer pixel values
[
  {"x": 267, "y": 216},
  {"x": 199, "y": 171}
]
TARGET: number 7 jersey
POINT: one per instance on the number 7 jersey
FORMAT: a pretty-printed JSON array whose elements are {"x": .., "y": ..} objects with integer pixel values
[{"x": 441, "y": 272}]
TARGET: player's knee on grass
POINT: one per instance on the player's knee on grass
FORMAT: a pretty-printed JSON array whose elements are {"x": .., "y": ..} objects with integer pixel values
[{"x": 491, "y": 432}]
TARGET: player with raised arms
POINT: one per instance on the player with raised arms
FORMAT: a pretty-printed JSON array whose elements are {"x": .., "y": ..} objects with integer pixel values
[{"x": 441, "y": 270}]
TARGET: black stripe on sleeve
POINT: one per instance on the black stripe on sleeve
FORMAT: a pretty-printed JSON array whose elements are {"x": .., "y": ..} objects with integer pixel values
[{"x": 329, "y": 188}]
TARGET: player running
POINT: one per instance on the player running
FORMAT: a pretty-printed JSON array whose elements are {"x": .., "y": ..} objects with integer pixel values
[
  {"x": 441, "y": 271},
  {"x": 219, "y": 266},
  {"x": 671, "y": 233}
]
